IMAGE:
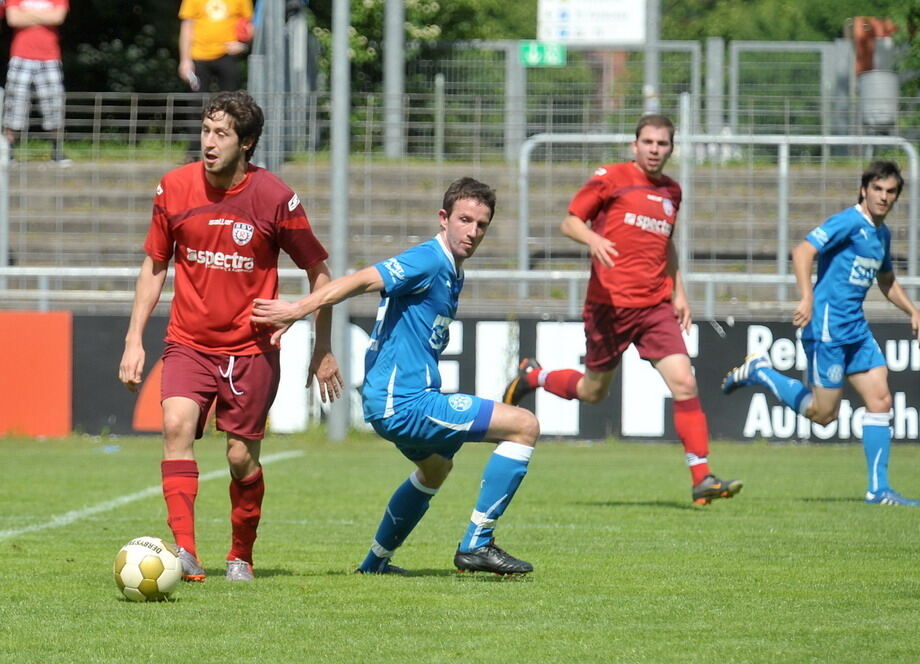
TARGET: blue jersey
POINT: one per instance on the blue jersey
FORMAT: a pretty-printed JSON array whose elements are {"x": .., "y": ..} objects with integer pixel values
[
  {"x": 851, "y": 251},
  {"x": 419, "y": 302}
]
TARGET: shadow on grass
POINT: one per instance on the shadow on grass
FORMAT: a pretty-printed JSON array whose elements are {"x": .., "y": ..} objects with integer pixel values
[
  {"x": 668, "y": 504},
  {"x": 464, "y": 577},
  {"x": 833, "y": 499}
]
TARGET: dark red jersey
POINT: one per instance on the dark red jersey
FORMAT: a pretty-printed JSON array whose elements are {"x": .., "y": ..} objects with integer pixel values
[
  {"x": 226, "y": 245},
  {"x": 638, "y": 214}
]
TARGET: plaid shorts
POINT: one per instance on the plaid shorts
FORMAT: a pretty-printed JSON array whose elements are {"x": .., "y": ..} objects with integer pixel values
[{"x": 48, "y": 79}]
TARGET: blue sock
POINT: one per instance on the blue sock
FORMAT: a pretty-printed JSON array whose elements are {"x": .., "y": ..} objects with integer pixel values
[
  {"x": 406, "y": 507},
  {"x": 789, "y": 391},
  {"x": 500, "y": 479},
  {"x": 876, "y": 441}
]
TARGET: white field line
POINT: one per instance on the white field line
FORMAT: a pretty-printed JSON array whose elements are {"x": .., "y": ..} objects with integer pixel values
[{"x": 76, "y": 515}]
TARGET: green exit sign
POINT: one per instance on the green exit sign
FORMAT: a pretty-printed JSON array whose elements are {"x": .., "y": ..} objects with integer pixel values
[{"x": 541, "y": 54}]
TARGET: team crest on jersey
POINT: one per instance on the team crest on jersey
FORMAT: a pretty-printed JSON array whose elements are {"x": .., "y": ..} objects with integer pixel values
[
  {"x": 293, "y": 203},
  {"x": 668, "y": 207},
  {"x": 460, "y": 402},
  {"x": 242, "y": 233},
  {"x": 159, "y": 190}
]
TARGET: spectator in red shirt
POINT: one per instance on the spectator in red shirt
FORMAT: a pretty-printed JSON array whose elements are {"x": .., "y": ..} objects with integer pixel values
[
  {"x": 224, "y": 222},
  {"x": 625, "y": 215},
  {"x": 35, "y": 60}
]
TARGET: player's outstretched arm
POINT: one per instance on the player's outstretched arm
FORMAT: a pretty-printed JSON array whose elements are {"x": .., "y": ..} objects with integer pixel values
[
  {"x": 279, "y": 313},
  {"x": 892, "y": 290},
  {"x": 147, "y": 292},
  {"x": 803, "y": 258}
]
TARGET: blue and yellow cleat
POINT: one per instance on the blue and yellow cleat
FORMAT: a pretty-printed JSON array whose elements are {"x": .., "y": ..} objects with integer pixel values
[
  {"x": 741, "y": 376},
  {"x": 890, "y": 497}
]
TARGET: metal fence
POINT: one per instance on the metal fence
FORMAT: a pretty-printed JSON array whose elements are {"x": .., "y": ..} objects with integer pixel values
[{"x": 95, "y": 213}]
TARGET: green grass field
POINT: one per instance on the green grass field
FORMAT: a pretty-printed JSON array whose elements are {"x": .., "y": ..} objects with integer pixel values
[{"x": 795, "y": 569}]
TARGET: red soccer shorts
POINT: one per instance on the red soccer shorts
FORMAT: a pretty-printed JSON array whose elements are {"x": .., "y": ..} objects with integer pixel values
[
  {"x": 244, "y": 386},
  {"x": 609, "y": 330}
]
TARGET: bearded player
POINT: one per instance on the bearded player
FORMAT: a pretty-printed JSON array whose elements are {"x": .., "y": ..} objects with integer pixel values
[
  {"x": 625, "y": 215},
  {"x": 223, "y": 221}
]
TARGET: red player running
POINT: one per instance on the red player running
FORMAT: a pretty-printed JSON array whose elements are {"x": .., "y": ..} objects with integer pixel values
[
  {"x": 223, "y": 221},
  {"x": 625, "y": 215}
]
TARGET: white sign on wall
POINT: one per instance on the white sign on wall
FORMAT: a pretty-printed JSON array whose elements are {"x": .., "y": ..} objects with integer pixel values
[{"x": 592, "y": 21}]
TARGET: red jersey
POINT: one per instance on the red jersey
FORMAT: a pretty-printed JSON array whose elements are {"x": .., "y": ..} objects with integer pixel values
[
  {"x": 226, "y": 245},
  {"x": 638, "y": 214},
  {"x": 37, "y": 42}
]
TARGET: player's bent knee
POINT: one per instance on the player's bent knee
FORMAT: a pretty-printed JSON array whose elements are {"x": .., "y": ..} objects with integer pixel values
[
  {"x": 879, "y": 405},
  {"x": 177, "y": 428},
  {"x": 530, "y": 428},
  {"x": 434, "y": 470}
]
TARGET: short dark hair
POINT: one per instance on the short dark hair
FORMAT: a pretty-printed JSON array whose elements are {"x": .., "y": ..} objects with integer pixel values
[
  {"x": 469, "y": 188},
  {"x": 244, "y": 112},
  {"x": 655, "y": 120},
  {"x": 880, "y": 170}
]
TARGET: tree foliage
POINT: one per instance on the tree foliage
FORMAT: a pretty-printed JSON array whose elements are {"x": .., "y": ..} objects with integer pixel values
[
  {"x": 122, "y": 45},
  {"x": 133, "y": 44},
  {"x": 428, "y": 22}
]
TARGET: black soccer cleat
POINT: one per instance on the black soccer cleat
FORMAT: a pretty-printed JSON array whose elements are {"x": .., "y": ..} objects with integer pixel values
[
  {"x": 490, "y": 558},
  {"x": 519, "y": 387}
]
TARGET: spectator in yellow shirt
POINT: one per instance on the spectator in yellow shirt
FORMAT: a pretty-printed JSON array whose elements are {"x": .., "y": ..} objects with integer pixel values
[{"x": 212, "y": 38}]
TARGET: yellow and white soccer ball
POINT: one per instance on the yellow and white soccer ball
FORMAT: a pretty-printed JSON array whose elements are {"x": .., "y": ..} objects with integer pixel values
[{"x": 147, "y": 569}]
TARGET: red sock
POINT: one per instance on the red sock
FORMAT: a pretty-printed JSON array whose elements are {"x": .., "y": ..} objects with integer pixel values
[
  {"x": 693, "y": 431},
  {"x": 563, "y": 383},
  {"x": 245, "y": 512},
  {"x": 180, "y": 487}
]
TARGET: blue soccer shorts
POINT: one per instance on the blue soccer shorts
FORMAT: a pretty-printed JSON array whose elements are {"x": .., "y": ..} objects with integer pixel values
[
  {"x": 830, "y": 364},
  {"x": 436, "y": 423}
]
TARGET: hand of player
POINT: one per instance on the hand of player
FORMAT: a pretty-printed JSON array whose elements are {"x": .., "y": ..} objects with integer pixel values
[
  {"x": 276, "y": 313},
  {"x": 275, "y": 339},
  {"x": 603, "y": 250},
  {"x": 329, "y": 379},
  {"x": 682, "y": 311},
  {"x": 131, "y": 369},
  {"x": 915, "y": 324},
  {"x": 802, "y": 314}
]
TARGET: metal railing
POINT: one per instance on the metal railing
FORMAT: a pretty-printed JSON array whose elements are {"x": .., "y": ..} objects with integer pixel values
[
  {"x": 35, "y": 289},
  {"x": 781, "y": 143}
]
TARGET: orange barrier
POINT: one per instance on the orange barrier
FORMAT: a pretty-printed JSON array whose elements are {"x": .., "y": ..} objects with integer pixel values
[
  {"x": 35, "y": 373},
  {"x": 148, "y": 413}
]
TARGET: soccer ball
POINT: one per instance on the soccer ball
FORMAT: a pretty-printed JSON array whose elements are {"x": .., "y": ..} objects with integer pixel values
[{"x": 147, "y": 569}]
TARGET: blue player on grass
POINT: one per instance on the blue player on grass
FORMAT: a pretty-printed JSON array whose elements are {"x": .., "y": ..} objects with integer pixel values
[
  {"x": 420, "y": 290},
  {"x": 853, "y": 250}
]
